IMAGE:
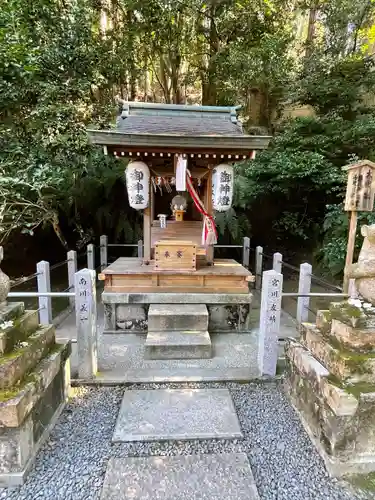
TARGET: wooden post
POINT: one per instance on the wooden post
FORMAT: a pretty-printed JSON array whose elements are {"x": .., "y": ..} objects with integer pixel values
[
  {"x": 147, "y": 234},
  {"x": 72, "y": 269},
  {"x": 86, "y": 322},
  {"x": 360, "y": 196},
  {"x": 44, "y": 285},
  {"x": 258, "y": 267},
  {"x": 277, "y": 262},
  {"x": 140, "y": 249},
  {"x": 304, "y": 287},
  {"x": 103, "y": 252},
  {"x": 246, "y": 252},
  {"x": 350, "y": 248},
  {"x": 269, "y": 329},
  {"x": 91, "y": 256}
]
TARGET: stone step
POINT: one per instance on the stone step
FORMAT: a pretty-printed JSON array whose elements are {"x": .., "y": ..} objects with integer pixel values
[
  {"x": 17, "y": 330},
  {"x": 195, "y": 477},
  {"x": 17, "y": 364},
  {"x": 17, "y": 405},
  {"x": 11, "y": 310},
  {"x": 349, "y": 366},
  {"x": 178, "y": 345},
  {"x": 174, "y": 317},
  {"x": 303, "y": 366}
]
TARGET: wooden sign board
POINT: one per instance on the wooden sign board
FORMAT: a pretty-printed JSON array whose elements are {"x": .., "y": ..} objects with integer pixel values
[{"x": 360, "y": 191}]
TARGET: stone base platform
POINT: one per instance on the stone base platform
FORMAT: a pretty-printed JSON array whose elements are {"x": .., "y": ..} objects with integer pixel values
[
  {"x": 176, "y": 414},
  {"x": 129, "y": 312},
  {"x": 27, "y": 418},
  {"x": 218, "y": 477}
]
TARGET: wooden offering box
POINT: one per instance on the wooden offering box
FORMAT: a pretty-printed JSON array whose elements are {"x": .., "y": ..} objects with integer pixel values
[{"x": 175, "y": 255}]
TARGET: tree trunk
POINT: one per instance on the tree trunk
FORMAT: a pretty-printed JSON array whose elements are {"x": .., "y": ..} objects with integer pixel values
[
  {"x": 209, "y": 83},
  {"x": 311, "y": 30}
]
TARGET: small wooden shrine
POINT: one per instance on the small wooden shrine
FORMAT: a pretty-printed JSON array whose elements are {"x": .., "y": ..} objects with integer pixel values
[{"x": 179, "y": 172}]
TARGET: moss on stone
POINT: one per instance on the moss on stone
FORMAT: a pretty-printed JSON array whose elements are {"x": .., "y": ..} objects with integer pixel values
[
  {"x": 31, "y": 377},
  {"x": 363, "y": 481},
  {"x": 354, "y": 360},
  {"x": 13, "y": 354},
  {"x": 360, "y": 388},
  {"x": 18, "y": 332},
  {"x": 354, "y": 389},
  {"x": 334, "y": 380},
  {"x": 347, "y": 313}
]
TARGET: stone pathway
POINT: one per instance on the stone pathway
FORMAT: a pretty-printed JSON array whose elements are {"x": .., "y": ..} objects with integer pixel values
[
  {"x": 196, "y": 477},
  {"x": 176, "y": 415},
  {"x": 81, "y": 462}
]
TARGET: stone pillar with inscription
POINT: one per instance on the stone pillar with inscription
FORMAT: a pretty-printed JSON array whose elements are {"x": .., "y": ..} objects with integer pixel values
[
  {"x": 270, "y": 310},
  {"x": 86, "y": 320}
]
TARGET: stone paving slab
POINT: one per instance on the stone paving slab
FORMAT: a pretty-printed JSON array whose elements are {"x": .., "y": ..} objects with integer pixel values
[
  {"x": 224, "y": 476},
  {"x": 176, "y": 414}
]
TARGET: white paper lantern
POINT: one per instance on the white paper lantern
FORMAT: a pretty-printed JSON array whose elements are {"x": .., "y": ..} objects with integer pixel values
[
  {"x": 138, "y": 184},
  {"x": 222, "y": 187}
]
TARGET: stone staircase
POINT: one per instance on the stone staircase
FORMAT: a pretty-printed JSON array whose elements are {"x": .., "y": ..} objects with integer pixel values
[
  {"x": 178, "y": 331},
  {"x": 34, "y": 379},
  {"x": 331, "y": 382}
]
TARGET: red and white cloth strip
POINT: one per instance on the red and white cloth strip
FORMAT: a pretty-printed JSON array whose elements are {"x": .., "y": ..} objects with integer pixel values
[{"x": 209, "y": 234}]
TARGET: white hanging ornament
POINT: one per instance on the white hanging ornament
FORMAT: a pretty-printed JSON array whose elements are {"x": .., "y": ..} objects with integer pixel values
[
  {"x": 222, "y": 187},
  {"x": 138, "y": 184}
]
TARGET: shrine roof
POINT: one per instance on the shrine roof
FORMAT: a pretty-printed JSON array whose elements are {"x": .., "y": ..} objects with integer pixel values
[
  {"x": 150, "y": 118},
  {"x": 179, "y": 127}
]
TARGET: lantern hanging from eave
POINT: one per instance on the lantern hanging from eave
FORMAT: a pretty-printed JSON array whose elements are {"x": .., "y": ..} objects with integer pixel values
[
  {"x": 138, "y": 184},
  {"x": 222, "y": 187}
]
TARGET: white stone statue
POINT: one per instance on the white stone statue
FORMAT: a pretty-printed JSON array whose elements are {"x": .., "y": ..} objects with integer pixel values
[
  {"x": 4, "y": 282},
  {"x": 364, "y": 270}
]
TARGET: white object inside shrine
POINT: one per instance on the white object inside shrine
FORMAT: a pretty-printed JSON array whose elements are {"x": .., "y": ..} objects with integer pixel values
[{"x": 163, "y": 220}]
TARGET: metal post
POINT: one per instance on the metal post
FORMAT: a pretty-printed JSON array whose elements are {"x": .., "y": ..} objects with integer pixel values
[
  {"x": 103, "y": 252},
  {"x": 91, "y": 256},
  {"x": 277, "y": 262},
  {"x": 258, "y": 267},
  {"x": 86, "y": 322},
  {"x": 44, "y": 285},
  {"x": 246, "y": 252},
  {"x": 269, "y": 329},
  {"x": 304, "y": 287},
  {"x": 72, "y": 269},
  {"x": 140, "y": 249}
]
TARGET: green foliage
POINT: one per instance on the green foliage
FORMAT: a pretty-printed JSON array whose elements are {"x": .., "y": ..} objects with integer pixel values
[
  {"x": 63, "y": 63},
  {"x": 335, "y": 231}
]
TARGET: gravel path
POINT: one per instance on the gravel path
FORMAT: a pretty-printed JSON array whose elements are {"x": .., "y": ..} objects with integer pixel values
[{"x": 71, "y": 466}]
